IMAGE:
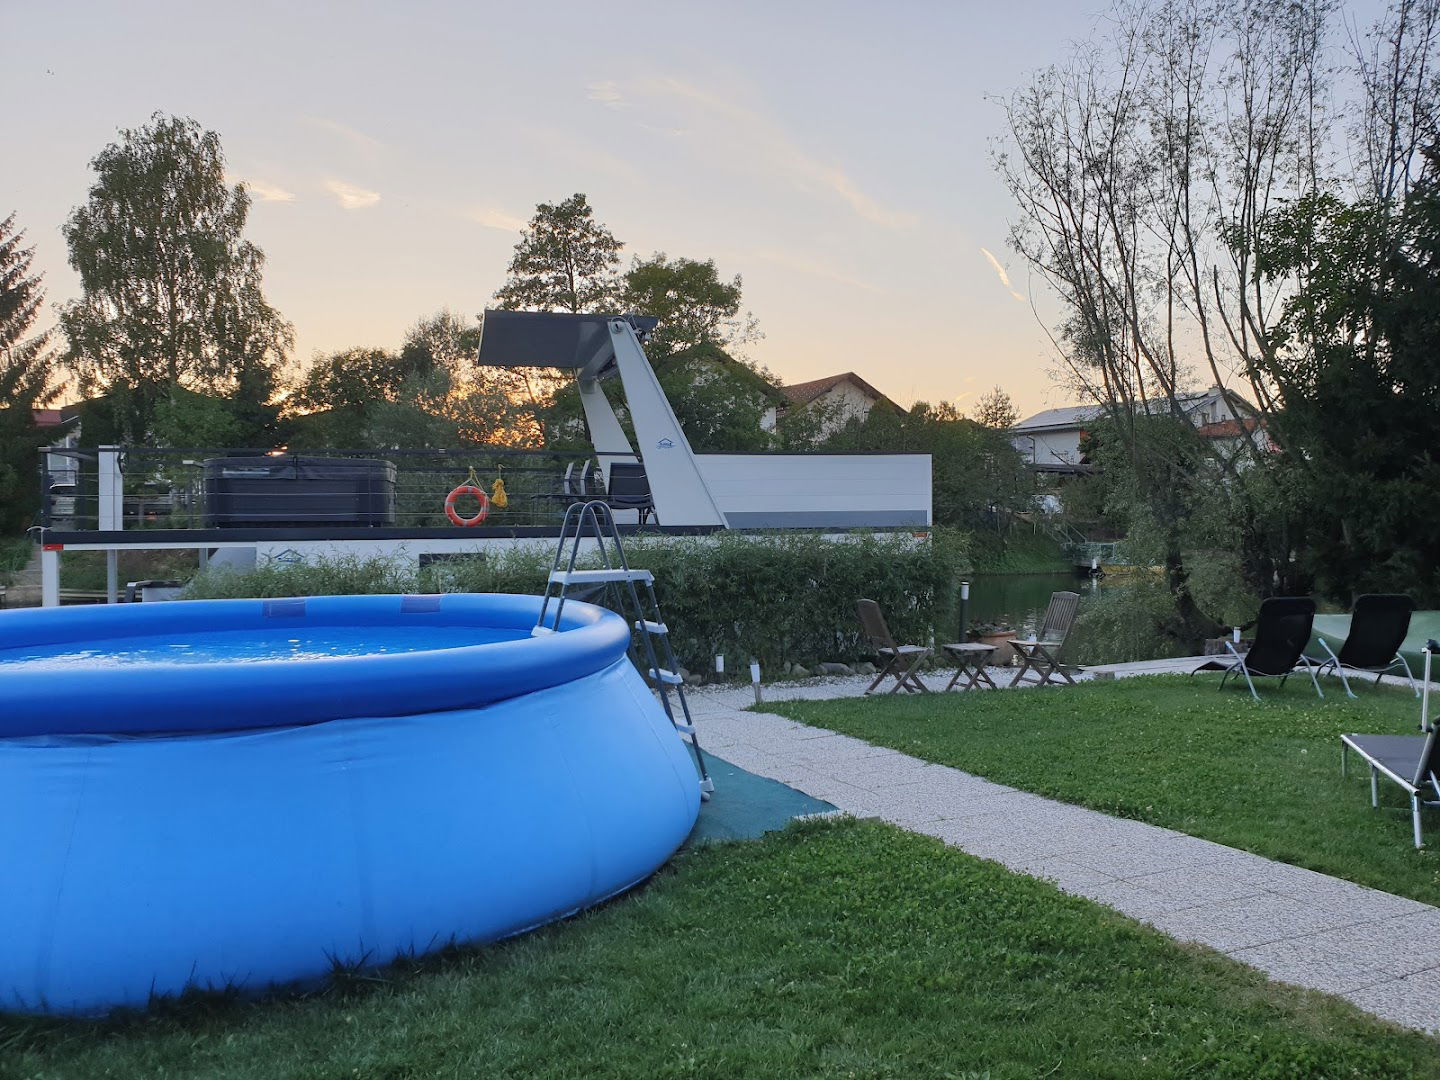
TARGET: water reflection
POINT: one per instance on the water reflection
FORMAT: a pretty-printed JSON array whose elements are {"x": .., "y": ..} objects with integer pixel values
[{"x": 1020, "y": 599}]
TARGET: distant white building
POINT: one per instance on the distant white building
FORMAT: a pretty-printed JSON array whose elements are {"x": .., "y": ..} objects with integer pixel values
[
  {"x": 844, "y": 397},
  {"x": 1050, "y": 440}
]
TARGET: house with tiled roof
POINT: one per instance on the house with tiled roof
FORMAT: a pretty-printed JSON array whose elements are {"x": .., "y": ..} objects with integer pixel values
[
  {"x": 843, "y": 397},
  {"x": 1050, "y": 441}
]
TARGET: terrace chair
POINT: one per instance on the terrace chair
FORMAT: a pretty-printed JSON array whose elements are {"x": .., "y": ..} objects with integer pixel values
[
  {"x": 893, "y": 656},
  {"x": 1041, "y": 654},
  {"x": 1412, "y": 761},
  {"x": 1378, "y": 625},
  {"x": 573, "y": 483},
  {"x": 1281, "y": 633},
  {"x": 630, "y": 489}
]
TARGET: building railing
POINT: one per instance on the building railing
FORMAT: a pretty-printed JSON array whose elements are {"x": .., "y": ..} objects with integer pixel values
[{"x": 145, "y": 488}]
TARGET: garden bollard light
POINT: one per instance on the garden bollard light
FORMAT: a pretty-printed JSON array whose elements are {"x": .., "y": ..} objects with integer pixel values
[
  {"x": 755, "y": 679},
  {"x": 719, "y": 664}
]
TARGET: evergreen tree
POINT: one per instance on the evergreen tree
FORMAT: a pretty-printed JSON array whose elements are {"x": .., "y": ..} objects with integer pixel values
[
  {"x": 996, "y": 410},
  {"x": 27, "y": 379}
]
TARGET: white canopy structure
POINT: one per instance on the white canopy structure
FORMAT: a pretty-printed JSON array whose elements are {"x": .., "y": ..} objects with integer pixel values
[{"x": 736, "y": 491}]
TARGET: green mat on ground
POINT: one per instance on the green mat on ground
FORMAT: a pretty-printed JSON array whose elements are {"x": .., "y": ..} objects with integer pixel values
[
  {"x": 745, "y": 806},
  {"x": 1423, "y": 626}
]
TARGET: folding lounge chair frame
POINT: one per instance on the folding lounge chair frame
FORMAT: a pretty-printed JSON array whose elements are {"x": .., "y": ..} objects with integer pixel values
[
  {"x": 872, "y": 621},
  {"x": 1383, "y": 620},
  {"x": 1408, "y": 760},
  {"x": 1281, "y": 634},
  {"x": 1042, "y": 654}
]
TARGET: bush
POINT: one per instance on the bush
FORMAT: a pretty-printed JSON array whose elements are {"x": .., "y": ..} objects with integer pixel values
[
  {"x": 15, "y": 552},
  {"x": 781, "y": 599},
  {"x": 1123, "y": 623}
]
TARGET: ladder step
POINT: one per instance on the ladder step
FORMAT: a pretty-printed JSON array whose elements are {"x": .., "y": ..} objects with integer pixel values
[
  {"x": 652, "y": 627},
  {"x": 670, "y": 678},
  {"x": 589, "y": 577}
]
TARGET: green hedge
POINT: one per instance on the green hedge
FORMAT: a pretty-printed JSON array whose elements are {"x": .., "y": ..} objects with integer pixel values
[{"x": 781, "y": 599}]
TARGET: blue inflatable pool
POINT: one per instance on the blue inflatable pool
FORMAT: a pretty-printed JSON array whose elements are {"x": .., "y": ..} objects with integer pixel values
[{"x": 243, "y": 793}]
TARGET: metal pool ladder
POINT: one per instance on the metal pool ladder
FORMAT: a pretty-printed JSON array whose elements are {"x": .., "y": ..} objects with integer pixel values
[{"x": 631, "y": 593}]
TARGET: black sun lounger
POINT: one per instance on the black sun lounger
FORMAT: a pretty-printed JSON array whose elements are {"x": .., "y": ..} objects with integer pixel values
[
  {"x": 1281, "y": 633},
  {"x": 1408, "y": 760},
  {"x": 1378, "y": 626}
]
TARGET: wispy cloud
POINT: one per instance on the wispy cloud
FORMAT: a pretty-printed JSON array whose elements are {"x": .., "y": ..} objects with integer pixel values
[
  {"x": 606, "y": 92},
  {"x": 581, "y": 156},
  {"x": 1000, "y": 272},
  {"x": 266, "y": 192},
  {"x": 367, "y": 144},
  {"x": 735, "y": 133},
  {"x": 351, "y": 197},
  {"x": 804, "y": 264},
  {"x": 496, "y": 219}
]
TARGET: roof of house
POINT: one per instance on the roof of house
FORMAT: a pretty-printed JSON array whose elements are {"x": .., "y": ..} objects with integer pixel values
[
  {"x": 1071, "y": 416},
  {"x": 56, "y": 417},
  {"x": 806, "y": 392},
  {"x": 1067, "y": 417}
]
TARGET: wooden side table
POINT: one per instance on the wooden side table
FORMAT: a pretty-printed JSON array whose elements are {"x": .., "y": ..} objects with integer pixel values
[{"x": 970, "y": 659}]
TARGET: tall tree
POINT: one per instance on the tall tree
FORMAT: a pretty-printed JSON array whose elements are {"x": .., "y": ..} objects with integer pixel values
[
  {"x": 340, "y": 391},
  {"x": 694, "y": 305},
  {"x": 1136, "y": 166},
  {"x": 565, "y": 261},
  {"x": 1355, "y": 364},
  {"x": 171, "y": 290},
  {"x": 27, "y": 379},
  {"x": 995, "y": 410}
]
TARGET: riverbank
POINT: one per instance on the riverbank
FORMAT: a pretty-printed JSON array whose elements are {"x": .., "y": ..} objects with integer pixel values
[{"x": 1019, "y": 551}]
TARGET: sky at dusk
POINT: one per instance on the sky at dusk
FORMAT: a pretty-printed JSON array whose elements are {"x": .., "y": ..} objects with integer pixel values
[{"x": 836, "y": 155}]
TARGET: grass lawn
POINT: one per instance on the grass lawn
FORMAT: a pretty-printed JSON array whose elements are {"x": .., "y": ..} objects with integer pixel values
[
  {"x": 14, "y": 554},
  {"x": 1176, "y": 752},
  {"x": 846, "y": 949}
]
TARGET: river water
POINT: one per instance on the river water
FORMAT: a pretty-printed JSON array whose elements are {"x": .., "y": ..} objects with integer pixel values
[{"x": 1020, "y": 599}]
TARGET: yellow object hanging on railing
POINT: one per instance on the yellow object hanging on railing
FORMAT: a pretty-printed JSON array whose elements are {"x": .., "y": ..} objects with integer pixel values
[{"x": 498, "y": 498}]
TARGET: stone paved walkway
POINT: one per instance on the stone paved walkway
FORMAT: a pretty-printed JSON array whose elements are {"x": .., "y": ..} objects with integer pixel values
[{"x": 1381, "y": 952}]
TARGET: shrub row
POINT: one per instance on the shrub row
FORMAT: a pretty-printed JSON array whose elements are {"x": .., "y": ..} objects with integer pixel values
[{"x": 780, "y": 599}]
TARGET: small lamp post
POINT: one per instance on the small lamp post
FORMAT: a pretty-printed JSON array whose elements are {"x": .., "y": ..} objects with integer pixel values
[
  {"x": 964, "y": 611},
  {"x": 755, "y": 679}
]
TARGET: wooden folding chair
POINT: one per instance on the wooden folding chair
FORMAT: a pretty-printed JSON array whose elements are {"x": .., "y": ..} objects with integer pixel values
[
  {"x": 1041, "y": 654},
  {"x": 900, "y": 661}
]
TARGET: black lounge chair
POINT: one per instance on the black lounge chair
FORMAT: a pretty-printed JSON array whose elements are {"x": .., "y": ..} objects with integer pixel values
[
  {"x": 1378, "y": 626},
  {"x": 1281, "y": 633},
  {"x": 1408, "y": 760},
  {"x": 630, "y": 489}
]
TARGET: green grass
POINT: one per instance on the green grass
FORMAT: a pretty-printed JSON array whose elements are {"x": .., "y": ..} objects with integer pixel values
[
  {"x": 1176, "y": 752},
  {"x": 14, "y": 554},
  {"x": 845, "y": 949}
]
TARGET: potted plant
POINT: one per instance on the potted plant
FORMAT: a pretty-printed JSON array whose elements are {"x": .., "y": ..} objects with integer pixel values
[{"x": 999, "y": 634}]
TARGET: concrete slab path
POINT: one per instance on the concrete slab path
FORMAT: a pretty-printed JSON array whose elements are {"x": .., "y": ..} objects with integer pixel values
[{"x": 1379, "y": 951}]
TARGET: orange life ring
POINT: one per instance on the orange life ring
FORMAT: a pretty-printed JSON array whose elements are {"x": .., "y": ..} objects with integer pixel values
[{"x": 467, "y": 489}]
